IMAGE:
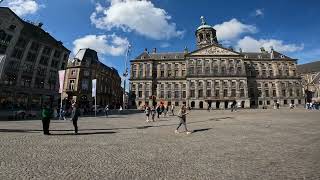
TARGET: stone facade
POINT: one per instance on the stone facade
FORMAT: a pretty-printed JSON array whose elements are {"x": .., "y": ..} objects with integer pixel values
[
  {"x": 310, "y": 74},
  {"x": 214, "y": 76},
  {"x": 31, "y": 59},
  {"x": 78, "y": 81}
]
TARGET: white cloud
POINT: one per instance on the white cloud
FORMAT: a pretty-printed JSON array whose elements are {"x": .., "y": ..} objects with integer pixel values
[
  {"x": 23, "y": 7},
  {"x": 232, "y": 29},
  {"x": 141, "y": 17},
  {"x": 165, "y": 45},
  {"x": 250, "y": 44},
  {"x": 103, "y": 44},
  {"x": 259, "y": 12}
]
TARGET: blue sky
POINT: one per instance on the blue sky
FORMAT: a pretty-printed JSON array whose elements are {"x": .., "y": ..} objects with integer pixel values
[{"x": 290, "y": 26}]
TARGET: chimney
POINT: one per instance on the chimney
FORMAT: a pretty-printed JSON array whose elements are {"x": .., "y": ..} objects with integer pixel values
[
  {"x": 154, "y": 50},
  {"x": 40, "y": 24},
  {"x": 145, "y": 50}
]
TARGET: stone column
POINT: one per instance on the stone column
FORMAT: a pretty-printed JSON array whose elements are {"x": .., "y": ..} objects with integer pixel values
[
  {"x": 151, "y": 69},
  {"x": 166, "y": 70},
  {"x": 144, "y": 74},
  {"x": 221, "y": 88},
  {"x": 196, "y": 89},
  {"x": 245, "y": 87},
  {"x": 212, "y": 88},
  {"x": 238, "y": 89},
  {"x": 158, "y": 70},
  {"x": 144, "y": 91},
  {"x": 158, "y": 90},
  {"x": 243, "y": 68},
  {"x": 195, "y": 67},
  {"x": 180, "y": 69},
  {"x": 137, "y": 90},
  {"x": 229, "y": 88},
  {"x": 202, "y": 66},
  {"x": 210, "y": 66},
  {"x": 188, "y": 89},
  {"x": 165, "y": 93},
  {"x": 219, "y": 66},
  {"x": 278, "y": 89},
  {"x": 204, "y": 88}
]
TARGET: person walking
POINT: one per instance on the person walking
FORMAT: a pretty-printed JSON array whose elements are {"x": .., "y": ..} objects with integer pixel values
[
  {"x": 158, "y": 111},
  {"x": 75, "y": 113},
  {"x": 147, "y": 112},
  {"x": 46, "y": 116},
  {"x": 182, "y": 117},
  {"x": 234, "y": 106},
  {"x": 172, "y": 109},
  {"x": 62, "y": 114},
  {"x": 153, "y": 113},
  {"x": 106, "y": 110}
]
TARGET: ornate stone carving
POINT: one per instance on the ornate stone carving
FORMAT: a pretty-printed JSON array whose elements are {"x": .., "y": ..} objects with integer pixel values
[{"x": 213, "y": 50}]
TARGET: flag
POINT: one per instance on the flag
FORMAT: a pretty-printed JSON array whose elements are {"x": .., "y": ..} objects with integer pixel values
[
  {"x": 61, "y": 80},
  {"x": 94, "y": 87}
]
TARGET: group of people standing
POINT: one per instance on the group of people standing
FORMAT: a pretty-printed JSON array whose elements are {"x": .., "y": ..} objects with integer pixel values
[
  {"x": 162, "y": 109},
  {"x": 47, "y": 114}
]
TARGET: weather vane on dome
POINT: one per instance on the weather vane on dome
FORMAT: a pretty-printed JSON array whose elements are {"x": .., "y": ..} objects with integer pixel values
[{"x": 203, "y": 22}]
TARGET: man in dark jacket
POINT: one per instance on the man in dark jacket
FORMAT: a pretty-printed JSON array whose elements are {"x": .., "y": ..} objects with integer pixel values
[
  {"x": 46, "y": 115},
  {"x": 74, "y": 117}
]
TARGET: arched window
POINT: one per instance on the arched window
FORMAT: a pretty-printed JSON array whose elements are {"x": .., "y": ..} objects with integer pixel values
[{"x": 201, "y": 36}]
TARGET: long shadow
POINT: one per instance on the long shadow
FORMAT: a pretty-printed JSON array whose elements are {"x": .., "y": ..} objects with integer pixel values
[
  {"x": 201, "y": 130},
  {"x": 83, "y": 133},
  {"x": 108, "y": 129}
]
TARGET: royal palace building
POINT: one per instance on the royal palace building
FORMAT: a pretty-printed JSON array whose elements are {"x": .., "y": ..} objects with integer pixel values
[
  {"x": 213, "y": 76},
  {"x": 80, "y": 72},
  {"x": 30, "y": 59}
]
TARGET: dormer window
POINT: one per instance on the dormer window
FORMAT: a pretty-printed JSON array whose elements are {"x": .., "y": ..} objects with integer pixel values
[
  {"x": 246, "y": 56},
  {"x": 259, "y": 56},
  {"x": 163, "y": 57},
  {"x": 282, "y": 56}
]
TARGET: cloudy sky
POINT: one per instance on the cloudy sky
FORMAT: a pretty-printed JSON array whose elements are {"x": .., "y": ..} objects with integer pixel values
[{"x": 108, "y": 26}]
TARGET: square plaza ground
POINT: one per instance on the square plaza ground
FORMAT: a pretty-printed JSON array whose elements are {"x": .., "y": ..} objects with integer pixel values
[{"x": 249, "y": 144}]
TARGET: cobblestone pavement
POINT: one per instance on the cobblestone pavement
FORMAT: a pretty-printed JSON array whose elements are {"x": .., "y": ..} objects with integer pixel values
[{"x": 249, "y": 144}]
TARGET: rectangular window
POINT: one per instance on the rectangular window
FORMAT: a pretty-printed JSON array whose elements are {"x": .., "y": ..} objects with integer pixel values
[
  {"x": 267, "y": 93},
  {"x": 140, "y": 94},
  {"x": 259, "y": 93},
  {"x": 225, "y": 93},
  {"x": 161, "y": 94},
  {"x": 233, "y": 93},
  {"x": 284, "y": 93},
  {"x": 85, "y": 84},
  {"x": 274, "y": 93},
  {"x": 285, "y": 102},
  {"x": 71, "y": 84},
  {"x": 241, "y": 92},
  {"x": 192, "y": 93},
  {"x": 184, "y": 94},
  {"x": 162, "y": 74},
  {"x": 169, "y": 94},
  {"x": 209, "y": 93},
  {"x": 176, "y": 94},
  {"x": 217, "y": 93},
  {"x": 200, "y": 93}
]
